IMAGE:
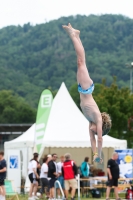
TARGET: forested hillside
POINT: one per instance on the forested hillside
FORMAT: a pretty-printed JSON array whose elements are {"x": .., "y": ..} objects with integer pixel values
[{"x": 36, "y": 57}]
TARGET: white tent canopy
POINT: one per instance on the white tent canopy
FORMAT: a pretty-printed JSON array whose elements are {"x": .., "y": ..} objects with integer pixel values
[
  {"x": 67, "y": 127},
  {"x": 25, "y": 140}
]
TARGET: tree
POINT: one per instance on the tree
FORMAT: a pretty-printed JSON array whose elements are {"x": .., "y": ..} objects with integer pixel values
[
  {"x": 75, "y": 94},
  {"x": 14, "y": 109},
  {"x": 33, "y": 58}
]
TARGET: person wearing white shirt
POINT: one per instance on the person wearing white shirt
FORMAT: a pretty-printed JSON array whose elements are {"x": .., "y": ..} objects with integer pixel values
[
  {"x": 44, "y": 176},
  {"x": 32, "y": 172},
  {"x": 60, "y": 178}
]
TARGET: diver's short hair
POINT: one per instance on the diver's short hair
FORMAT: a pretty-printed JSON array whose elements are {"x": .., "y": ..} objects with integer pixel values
[{"x": 106, "y": 120}]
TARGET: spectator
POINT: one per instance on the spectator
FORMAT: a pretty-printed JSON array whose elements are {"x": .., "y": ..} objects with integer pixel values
[
  {"x": 60, "y": 178},
  {"x": 69, "y": 171},
  {"x": 38, "y": 170},
  {"x": 2, "y": 175},
  {"x": 52, "y": 174},
  {"x": 113, "y": 176},
  {"x": 85, "y": 168},
  {"x": 33, "y": 176},
  {"x": 49, "y": 157},
  {"x": 44, "y": 176}
]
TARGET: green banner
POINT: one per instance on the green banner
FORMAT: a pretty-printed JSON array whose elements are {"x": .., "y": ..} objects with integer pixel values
[{"x": 43, "y": 112}]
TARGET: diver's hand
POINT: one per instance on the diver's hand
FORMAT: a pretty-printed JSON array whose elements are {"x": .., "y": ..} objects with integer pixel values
[{"x": 97, "y": 159}]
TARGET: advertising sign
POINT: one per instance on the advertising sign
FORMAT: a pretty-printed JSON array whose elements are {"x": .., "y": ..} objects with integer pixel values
[
  {"x": 13, "y": 162},
  {"x": 14, "y": 168},
  {"x": 43, "y": 112},
  {"x": 125, "y": 162}
]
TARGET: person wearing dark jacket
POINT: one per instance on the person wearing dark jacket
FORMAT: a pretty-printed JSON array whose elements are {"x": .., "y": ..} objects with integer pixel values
[
  {"x": 52, "y": 174},
  {"x": 113, "y": 172},
  {"x": 3, "y": 169},
  {"x": 69, "y": 172}
]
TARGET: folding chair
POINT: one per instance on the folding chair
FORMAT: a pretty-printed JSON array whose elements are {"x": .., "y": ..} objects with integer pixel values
[{"x": 10, "y": 191}]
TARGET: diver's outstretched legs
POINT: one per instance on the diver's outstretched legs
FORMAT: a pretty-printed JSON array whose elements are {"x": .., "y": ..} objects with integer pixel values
[{"x": 82, "y": 73}]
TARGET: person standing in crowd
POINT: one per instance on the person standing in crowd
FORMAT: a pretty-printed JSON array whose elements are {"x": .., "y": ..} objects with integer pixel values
[
  {"x": 49, "y": 157},
  {"x": 69, "y": 172},
  {"x": 113, "y": 176},
  {"x": 3, "y": 169},
  {"x": 44, "y": 177},
  {"x": 33, "y": 176},
  {"x": 85, "y": 170},
  {"x": 52, "y": 174},
  {"x": 38, "y": 171},
  {"x": 60, "y": 178}
]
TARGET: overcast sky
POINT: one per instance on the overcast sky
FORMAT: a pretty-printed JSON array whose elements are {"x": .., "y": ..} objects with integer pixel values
[{"x": 14, "y": 12}]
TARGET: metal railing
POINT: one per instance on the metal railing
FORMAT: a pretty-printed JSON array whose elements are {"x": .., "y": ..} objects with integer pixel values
[
  {"x": 78, "y": 178},
  {"x": 63, "y": 196},
  {"x": 57, "y": 182}
]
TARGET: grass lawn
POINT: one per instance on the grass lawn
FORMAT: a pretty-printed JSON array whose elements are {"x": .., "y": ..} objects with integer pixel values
[
  {"x": 22, "y": 198},
  {"x": 25, "y": 197},
  {"x": 87, "y": 196}
]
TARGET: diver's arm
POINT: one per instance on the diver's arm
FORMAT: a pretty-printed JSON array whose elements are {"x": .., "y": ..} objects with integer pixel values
[
  {"x": 93, "y": 140},
  {"x": 99, "y": 137}
]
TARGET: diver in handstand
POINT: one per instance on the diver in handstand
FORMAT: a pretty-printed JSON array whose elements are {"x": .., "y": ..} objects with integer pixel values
[{"x": 99, "y": 123}]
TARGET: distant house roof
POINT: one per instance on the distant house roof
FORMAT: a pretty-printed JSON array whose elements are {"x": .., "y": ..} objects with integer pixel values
[{"x": 9, "y": 128}]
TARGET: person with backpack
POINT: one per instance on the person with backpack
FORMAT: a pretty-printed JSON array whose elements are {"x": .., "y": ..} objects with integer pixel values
[{"x": 69, "y": 172}]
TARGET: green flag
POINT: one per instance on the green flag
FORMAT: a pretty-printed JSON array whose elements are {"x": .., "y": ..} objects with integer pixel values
[{"x": 43, "y": 112}]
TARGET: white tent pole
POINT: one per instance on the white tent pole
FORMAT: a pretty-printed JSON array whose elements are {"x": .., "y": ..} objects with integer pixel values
[{"x": 78, "y": 186}]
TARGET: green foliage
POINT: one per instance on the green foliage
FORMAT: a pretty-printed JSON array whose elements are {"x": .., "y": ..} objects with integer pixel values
[
  {"x": 75, "y": 94},
  {"x": 33, "y": 58},
  {"x": 118, "y": 103},
  {"x": 14, "y": 109}
]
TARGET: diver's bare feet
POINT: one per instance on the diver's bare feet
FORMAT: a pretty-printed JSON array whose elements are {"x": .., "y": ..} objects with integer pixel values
[
  {"x": 69, "y": 30},
  {"x": 77, "y": 32}
]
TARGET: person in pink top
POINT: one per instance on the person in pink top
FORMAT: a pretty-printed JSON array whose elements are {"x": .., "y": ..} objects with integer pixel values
[{"x": 99, "y": 123}]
